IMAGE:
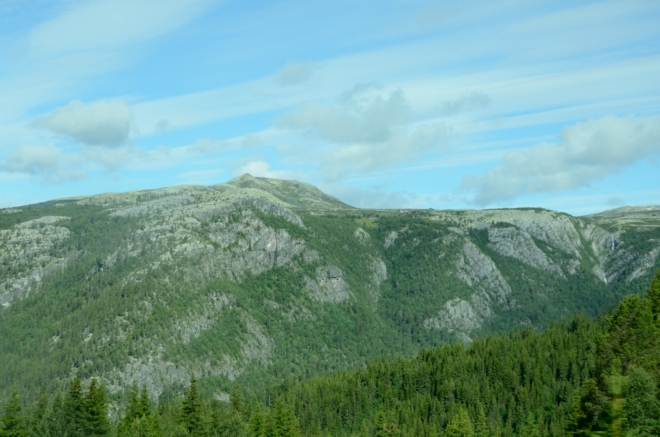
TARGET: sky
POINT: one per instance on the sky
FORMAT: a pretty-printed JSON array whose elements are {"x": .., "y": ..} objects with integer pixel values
[{"x": 383, "y": 104}]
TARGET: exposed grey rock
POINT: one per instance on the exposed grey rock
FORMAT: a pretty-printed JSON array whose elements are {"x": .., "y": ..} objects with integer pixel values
[
  {"x": 516, "y": 243},
  {"x": 28, "y": 248},
  {"x": 330, "y": 285},
  {"x": 390, "y": 239},
  {"x": 362, "y": 235},
  {"x": 379, "y": 274},
  {"x": 479, "y": 271}
]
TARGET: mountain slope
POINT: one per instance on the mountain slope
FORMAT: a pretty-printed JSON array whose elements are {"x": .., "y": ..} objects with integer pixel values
[{"x": 259, "y": 280}]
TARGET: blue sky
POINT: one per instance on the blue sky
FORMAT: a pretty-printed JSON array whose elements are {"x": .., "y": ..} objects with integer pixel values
[{"x": 384, "y": 104}]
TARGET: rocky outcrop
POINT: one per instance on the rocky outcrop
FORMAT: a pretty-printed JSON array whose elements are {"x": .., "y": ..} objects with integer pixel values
[
  {"x": 30, "y": 250},
  {"x": 329, "y": 286},
  {"x": 516, "y": 243},
  {"x": 480, "y": 272}
]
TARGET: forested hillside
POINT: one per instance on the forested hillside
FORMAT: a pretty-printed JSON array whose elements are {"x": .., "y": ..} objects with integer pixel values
[
  {"x": 577, "y": 378},
  {"x": 260, "y": 281}
]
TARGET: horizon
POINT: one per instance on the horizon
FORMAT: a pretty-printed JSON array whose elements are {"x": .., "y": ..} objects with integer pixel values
[
  {"x": 382, "y": 105},
  {"x": 649, "y": 206}
]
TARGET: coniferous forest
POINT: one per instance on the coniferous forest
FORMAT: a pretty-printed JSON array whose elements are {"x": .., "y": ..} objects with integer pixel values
[{"x": 580, "y": 377}]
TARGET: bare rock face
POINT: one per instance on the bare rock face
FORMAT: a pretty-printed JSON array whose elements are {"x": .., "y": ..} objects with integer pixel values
[
  {"x": 362, "y": 235},
  {"x": 329, "y": 286},
  {"x": 518, "y": 244},
  {"x": 480, "y": 272},
  {"x": 28, "y": 250},
  {"x": 489, "y": 287},
  {"x": 457, "y": 315}
]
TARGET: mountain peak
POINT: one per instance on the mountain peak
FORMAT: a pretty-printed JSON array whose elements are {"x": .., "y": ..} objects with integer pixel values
[{"x": 293, "y": 193}]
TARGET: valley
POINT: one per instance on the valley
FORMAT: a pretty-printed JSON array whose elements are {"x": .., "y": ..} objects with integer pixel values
[{"x": 259, "y": 281}]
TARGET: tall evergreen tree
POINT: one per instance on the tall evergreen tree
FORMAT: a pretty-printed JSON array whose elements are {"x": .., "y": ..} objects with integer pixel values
[
  {"x": 96, "y": 422},
  {"x": 286, "y": 424},
  {"x": 13, "y": 422},
  {"x": 258, "y": 422},
  {"x": 55, "y": 419},
  {"x": 74, "y": 410},
  {"x": 530, "y": 428},
  {"x": 191, "y": 410},
  {"x": 460, "y": 425},
  {"x": 481, "y": 426},
  {"x": 641, "y": 408},
  {"x": 236, "y": 400},
  {"x": 37, "y": 426},
  {"x": 654, "y": 295}
]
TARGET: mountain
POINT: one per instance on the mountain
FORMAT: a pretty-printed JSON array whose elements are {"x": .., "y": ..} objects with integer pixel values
[{"x": 258, "y": 280}]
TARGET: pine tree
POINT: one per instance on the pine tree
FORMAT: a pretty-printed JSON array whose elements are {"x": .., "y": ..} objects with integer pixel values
[
  {"x": 236, "y": 400},
  {"x": 74, "y": 410},
  {"x": 13, "y": 422},
  {"x": 481, "y": 427},
  {"x": 258, "y": 422},
  {"x": 191, "y": 411},
  {"x": 144, "y": 405},
  {"x": 286, "y": 424},
  {"x": 460, "y": 425},
  {"x": 37, "y": 426},
  {"x": 641, "y": 408},
  {"x": 654, "y": 295},
  {"x": 55, "y": 418},
  {"x": 96, "y": 411},
  {"x": 531, "y": 428}
]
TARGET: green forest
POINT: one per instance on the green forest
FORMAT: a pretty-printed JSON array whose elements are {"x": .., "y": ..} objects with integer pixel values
[{"x": 583, "y": 377}]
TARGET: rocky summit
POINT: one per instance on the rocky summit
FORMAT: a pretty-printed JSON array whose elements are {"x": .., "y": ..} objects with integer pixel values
[{"x": 260, "y": 280}]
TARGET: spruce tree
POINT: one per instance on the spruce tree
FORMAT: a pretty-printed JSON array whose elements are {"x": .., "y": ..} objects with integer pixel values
[
  {"x": 236, "y": 400},
  {"x": 460, "y": 425},
  {"x": 130, "y": 413},
  {"x": 191, "y": 410},
  {"x": 641, "y": 408},
  {"x": 654, "y": 295},
  {"x": 37, "y": 426},
  {"x": 96, "y": 422},
  {"x": 13, "y": 422},
  {"x": 481, "y": 427},
  {"x": 74, "y": 410},
  {"x": 144, "y": 405},
  {"x": 55, "y": 418},
  {"x": 530, "y": 428},
  {"x": 286, "y": 424},
  {"x": 258, "y": 422}
]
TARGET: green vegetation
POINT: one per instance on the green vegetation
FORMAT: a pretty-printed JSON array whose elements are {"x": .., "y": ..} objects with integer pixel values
[
  {"x": 219, "y": 282},
  {"x": 583, "y": 378}
]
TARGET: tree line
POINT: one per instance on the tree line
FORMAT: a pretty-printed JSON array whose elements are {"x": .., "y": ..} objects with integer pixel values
[{"x": 579, "y": 378}]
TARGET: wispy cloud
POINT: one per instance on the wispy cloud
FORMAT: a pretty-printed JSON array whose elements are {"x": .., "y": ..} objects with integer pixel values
[
  {"x": 48, "y": 163},
  {"x": 260, "y": 168},
  {"x": 294, "y": 74},
  {"x": 102, "y": 123},
  {"x": 109, "y": 24},
  {"x": 586, "y": 152}
]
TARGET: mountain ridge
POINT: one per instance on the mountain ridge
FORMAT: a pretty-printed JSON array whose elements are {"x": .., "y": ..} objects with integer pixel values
[{"x": 245, "y": 282}]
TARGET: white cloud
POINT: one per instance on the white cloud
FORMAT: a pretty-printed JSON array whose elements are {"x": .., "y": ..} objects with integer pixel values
[
  {"x": 47, "y": 162},
  {"x": 586, "y": 152},
  {"x": 466, "y": 102},
  {"x": 106, "y": 122},
  {"x": 404, "y": 146},
  {"x": 108, "y": 24},
  {"x": 360, "y": 115},
  {"x": 201, "y": 177},
  {"x": 210, "y": 146},
  {"x": 375, "y": 197},
  {"x": 362, "y": 131},
  {"x": 294, "y": 74},
  {"x": 262, "y": 169}
]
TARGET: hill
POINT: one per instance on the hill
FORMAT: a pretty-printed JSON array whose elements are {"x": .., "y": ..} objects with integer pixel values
[{"x": 258, "y": 280}]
